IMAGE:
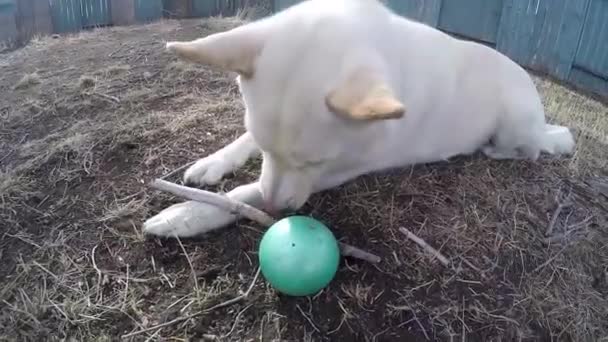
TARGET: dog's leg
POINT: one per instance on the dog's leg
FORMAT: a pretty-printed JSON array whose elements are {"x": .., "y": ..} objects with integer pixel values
[
  {"x": 211, "y": 169},
  {"x": 494, "y": 152},
  {"x": 192, "y": 218}
]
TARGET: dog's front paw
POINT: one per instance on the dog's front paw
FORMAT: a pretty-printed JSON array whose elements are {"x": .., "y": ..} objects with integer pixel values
[
  {"x": 208, "y": 171},
  {"x": 187, "y": 219}
]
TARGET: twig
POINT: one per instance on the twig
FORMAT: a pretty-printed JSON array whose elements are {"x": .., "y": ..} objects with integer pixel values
[
  {"x": 308, "y": 318},
  {"x": 111, "y": 54},
  {"x": 560, "y": 206},
  {"x": 107, "y": 97},
  {"x": 236, "y": 320},
  {"x": 550, "y": 260},
  {"x": 124, "y": 301},
  {"x": 245, "y": 210},
  {"x": 425, "y": 246},
  {"x": 198, "y": 313},
  {"x": 348, "y": 250},
  {"x": 13, "y": 150},
  {"x": 179, "y": 169},
  {"x": 189, "y": 263},
  {"x": 99, "y": 274}
]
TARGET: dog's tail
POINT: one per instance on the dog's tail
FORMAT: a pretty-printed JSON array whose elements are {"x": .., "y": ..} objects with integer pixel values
[{"x": 557, "y": 140}]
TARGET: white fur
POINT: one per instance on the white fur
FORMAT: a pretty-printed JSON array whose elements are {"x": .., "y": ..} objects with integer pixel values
[{"x": 458, "y": 96}]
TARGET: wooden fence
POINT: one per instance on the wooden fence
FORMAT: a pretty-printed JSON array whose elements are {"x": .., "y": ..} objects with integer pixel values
[
  {"x": 22, "y": 19},
  {"x": 566, "y": 39}
]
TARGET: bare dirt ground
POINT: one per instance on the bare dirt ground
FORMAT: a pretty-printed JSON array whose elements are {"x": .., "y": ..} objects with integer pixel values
[{"x": 88, "y": 120}]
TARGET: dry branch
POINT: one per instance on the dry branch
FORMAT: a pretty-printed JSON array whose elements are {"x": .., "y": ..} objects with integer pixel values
[
  {"x": 107, "y": 97},
  {"x": 425, "y": 246},
  {"x": 245, "y": 210},
  {"x": 560, "y": 206}
]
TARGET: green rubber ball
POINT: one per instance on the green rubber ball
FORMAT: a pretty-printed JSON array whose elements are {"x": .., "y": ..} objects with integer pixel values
[{"x": 299, "y": 256}]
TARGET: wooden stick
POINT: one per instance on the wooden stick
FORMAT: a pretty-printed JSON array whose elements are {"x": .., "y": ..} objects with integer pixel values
[
  {"x": 561, "y": 205},
  {"x": 220, "y": 201},
  {"x": 425, "y": 246},
  {"x": 245, "y": 210}
]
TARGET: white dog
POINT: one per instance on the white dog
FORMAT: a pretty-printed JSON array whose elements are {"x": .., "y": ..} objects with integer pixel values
[{"x": 335, "y": 89}]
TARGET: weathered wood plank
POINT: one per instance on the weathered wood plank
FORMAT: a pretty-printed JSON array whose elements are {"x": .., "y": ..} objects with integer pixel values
[
  {"x": 588, "y": 81},
  {"x": 66, "y": 15},
  {"x": 203, "y": 8},
  {"x": 179, "y": 8},
  {"x": 148, "y": 10},
  {"x": 476, "y": 19},
  {"x": 122, "y": 12},
  {"x": 280, "y": 5},
  {"x": 542, "y": 34},
  {"x": 426, "y": 11},
  {"x": 95, "y": 13},
  {"x": 8, "y": 27},
  {"x": 43, "y": 22},
  {"x": 24, "y": 18},
  {"x": 592, "y": 53}
]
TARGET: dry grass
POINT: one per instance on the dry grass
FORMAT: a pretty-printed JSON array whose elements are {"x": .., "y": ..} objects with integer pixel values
[
  {"x": 586, "y": 116},
  {"x": 28, "y": 80},
  {"x": 75, "y": 163},
  {"x": 86, "y": 81}
]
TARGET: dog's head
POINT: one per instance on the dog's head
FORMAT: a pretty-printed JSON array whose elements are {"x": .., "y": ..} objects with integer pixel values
[{"x": 313, "y": 80}]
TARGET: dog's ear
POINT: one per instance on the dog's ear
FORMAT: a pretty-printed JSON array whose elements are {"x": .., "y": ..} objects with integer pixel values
[
  {"x": 364, "y": 95},
  {"x": 234, "y": 50}
]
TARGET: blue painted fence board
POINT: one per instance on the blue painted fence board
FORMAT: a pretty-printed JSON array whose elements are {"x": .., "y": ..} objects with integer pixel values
[
  {"x": 95, "y": 12},
  {"x": 476, "y": 19},
  {"x": 66, "y": 15},
  {"x": 203, "y": 8},
  {"x": 592, "y": 54},
  {"x": 567, "y": 39},
  {"x": 426, "y": 11},
  {"x": 8, "y": 27},
  {"x": 280, "y": 5},
  {"x": 7, "y": 6},
  {"x": 542, "y": 34},
  {"x": 148, "y": 10},
  {"x": 588, "y": 81},
  {"x": 207, "y": 8}
]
